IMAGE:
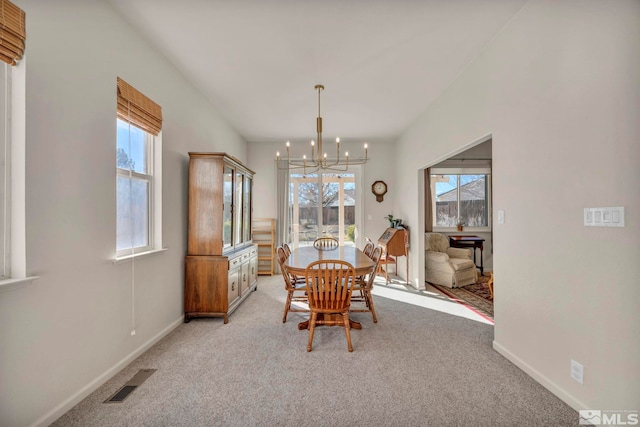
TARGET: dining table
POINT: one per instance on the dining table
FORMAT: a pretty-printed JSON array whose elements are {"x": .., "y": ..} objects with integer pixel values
[{"x": 301, "y": 257}]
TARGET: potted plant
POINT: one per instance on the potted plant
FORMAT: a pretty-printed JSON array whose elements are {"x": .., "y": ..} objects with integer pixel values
[
  {"x": 393, "y": 222},
  {"x": 390, "y": 219}
]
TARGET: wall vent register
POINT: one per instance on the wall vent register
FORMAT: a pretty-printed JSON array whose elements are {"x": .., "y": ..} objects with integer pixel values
[{"x": 131, "y": 385}]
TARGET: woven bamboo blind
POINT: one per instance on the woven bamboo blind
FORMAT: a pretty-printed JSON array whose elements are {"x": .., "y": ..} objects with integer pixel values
[
  {"x": 137, "y": 109},
  {"x": 12, "y": 32}
]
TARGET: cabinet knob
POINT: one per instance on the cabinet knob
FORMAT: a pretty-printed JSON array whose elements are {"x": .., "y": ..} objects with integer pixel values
[{"x": 233, "y": 286}]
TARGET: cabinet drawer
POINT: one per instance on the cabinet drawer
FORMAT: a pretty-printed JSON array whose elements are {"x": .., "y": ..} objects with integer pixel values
[{"x": 234, "y": 263}]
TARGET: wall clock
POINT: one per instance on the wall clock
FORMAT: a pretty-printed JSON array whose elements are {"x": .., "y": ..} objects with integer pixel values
[{"x": 379, "y": 188}]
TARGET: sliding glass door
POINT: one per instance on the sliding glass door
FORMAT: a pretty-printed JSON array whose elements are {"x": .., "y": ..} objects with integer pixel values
[{"x": 323, "y": 204}]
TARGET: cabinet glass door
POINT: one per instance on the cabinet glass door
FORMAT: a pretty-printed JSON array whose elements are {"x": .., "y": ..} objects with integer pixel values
[
  {"x": 227, "y": 208},
  {"x": 246, "y": 209},
  {"x": 237, "y": 212}
]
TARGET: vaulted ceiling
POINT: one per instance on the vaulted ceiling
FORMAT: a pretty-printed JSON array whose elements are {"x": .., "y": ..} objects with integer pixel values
[{"x": 382, "y": 62}]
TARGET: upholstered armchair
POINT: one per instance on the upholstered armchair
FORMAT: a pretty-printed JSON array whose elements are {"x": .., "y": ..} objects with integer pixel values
[{"x": 447, "y": 266}]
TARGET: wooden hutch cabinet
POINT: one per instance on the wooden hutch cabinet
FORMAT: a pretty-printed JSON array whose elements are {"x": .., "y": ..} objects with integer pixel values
[{"x": 221, "y": 266}]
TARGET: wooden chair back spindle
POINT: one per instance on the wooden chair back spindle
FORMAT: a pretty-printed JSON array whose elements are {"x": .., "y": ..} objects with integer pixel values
[
  {"x": 325, "y": 243},
  {"x": 368, "y": 248},
  {"x": 287, "y": 249}
]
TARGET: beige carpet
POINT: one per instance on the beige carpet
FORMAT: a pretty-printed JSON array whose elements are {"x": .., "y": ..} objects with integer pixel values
[{"x": 415, "y": 367}]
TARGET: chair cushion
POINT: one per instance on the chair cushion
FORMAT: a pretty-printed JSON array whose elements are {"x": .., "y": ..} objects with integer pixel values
[
  {"x": 461, "y": 264},
  {"x": 436, "y": 256},
  {"x": 460, "y": 253}
]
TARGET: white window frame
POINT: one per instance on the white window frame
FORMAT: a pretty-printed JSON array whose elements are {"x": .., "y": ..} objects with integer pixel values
[
  {"x": 5, "y": 171},
  {"x": 463, "y": 171},
  {"x": 13, "y": 143},
  {"x": 154, "y": 179}
]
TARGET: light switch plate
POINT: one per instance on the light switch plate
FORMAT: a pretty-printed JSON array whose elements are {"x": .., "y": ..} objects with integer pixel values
[
  {"x": 500, "y": 217},
  {"x": 604, "y": 217}
]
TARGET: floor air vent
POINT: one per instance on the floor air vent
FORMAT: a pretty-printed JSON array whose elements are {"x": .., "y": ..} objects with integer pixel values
[{"x": 126, "y": 390}]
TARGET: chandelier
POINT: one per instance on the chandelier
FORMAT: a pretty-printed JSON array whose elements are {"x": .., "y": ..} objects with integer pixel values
[{"x": 319, "y": 160}]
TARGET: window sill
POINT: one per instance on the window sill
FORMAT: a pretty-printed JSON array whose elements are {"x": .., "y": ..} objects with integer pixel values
[
  {"x": 125, "y": 258},
  {"x": 464, "y": 230},
  {"x": 13, "y": 283}
]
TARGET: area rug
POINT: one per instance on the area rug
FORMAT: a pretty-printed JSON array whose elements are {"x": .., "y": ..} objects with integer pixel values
[{"x": 476, "y": 296}]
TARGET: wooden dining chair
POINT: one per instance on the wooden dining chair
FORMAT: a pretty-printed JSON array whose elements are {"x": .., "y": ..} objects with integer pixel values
[
  {"x": 368, "y": 248},
  {"x": 365, "y": 285},
  {"x": 295, "y": 286},
  {"x": 329, "y": 287},
  {"x": 383, "y": 266},
  {"x": 287, "y": 249},
  {"x": 325, "y": 243},
  {"x": 490, "y": 284}
]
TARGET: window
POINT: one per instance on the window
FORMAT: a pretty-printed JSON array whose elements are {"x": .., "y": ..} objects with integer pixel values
[
  {"x": 134, "y": 189},
  {"x": 461, "y": 197},
  {"x": 323, "y": 204},
  {"x": 13, "y": 261},
  {"x": 5, "y": 171},
  {"x": 138, "y": 173}
]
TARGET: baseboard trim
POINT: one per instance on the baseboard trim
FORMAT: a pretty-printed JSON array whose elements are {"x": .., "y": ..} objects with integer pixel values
[
  {"x": 539, "y": 377},
  {"x": 65, "y": 406}
]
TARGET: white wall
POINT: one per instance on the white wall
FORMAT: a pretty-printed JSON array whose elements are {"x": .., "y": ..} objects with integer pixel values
[
  {"x": 558, "y": 90},
  {"x": 64, "y": 333}
]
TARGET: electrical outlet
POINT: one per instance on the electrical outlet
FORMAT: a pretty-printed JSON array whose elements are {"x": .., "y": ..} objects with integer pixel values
[{"x": 577, "y": 371}]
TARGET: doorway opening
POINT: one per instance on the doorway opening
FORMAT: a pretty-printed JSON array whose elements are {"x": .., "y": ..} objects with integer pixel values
[{"x": 457, "y": 210}]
